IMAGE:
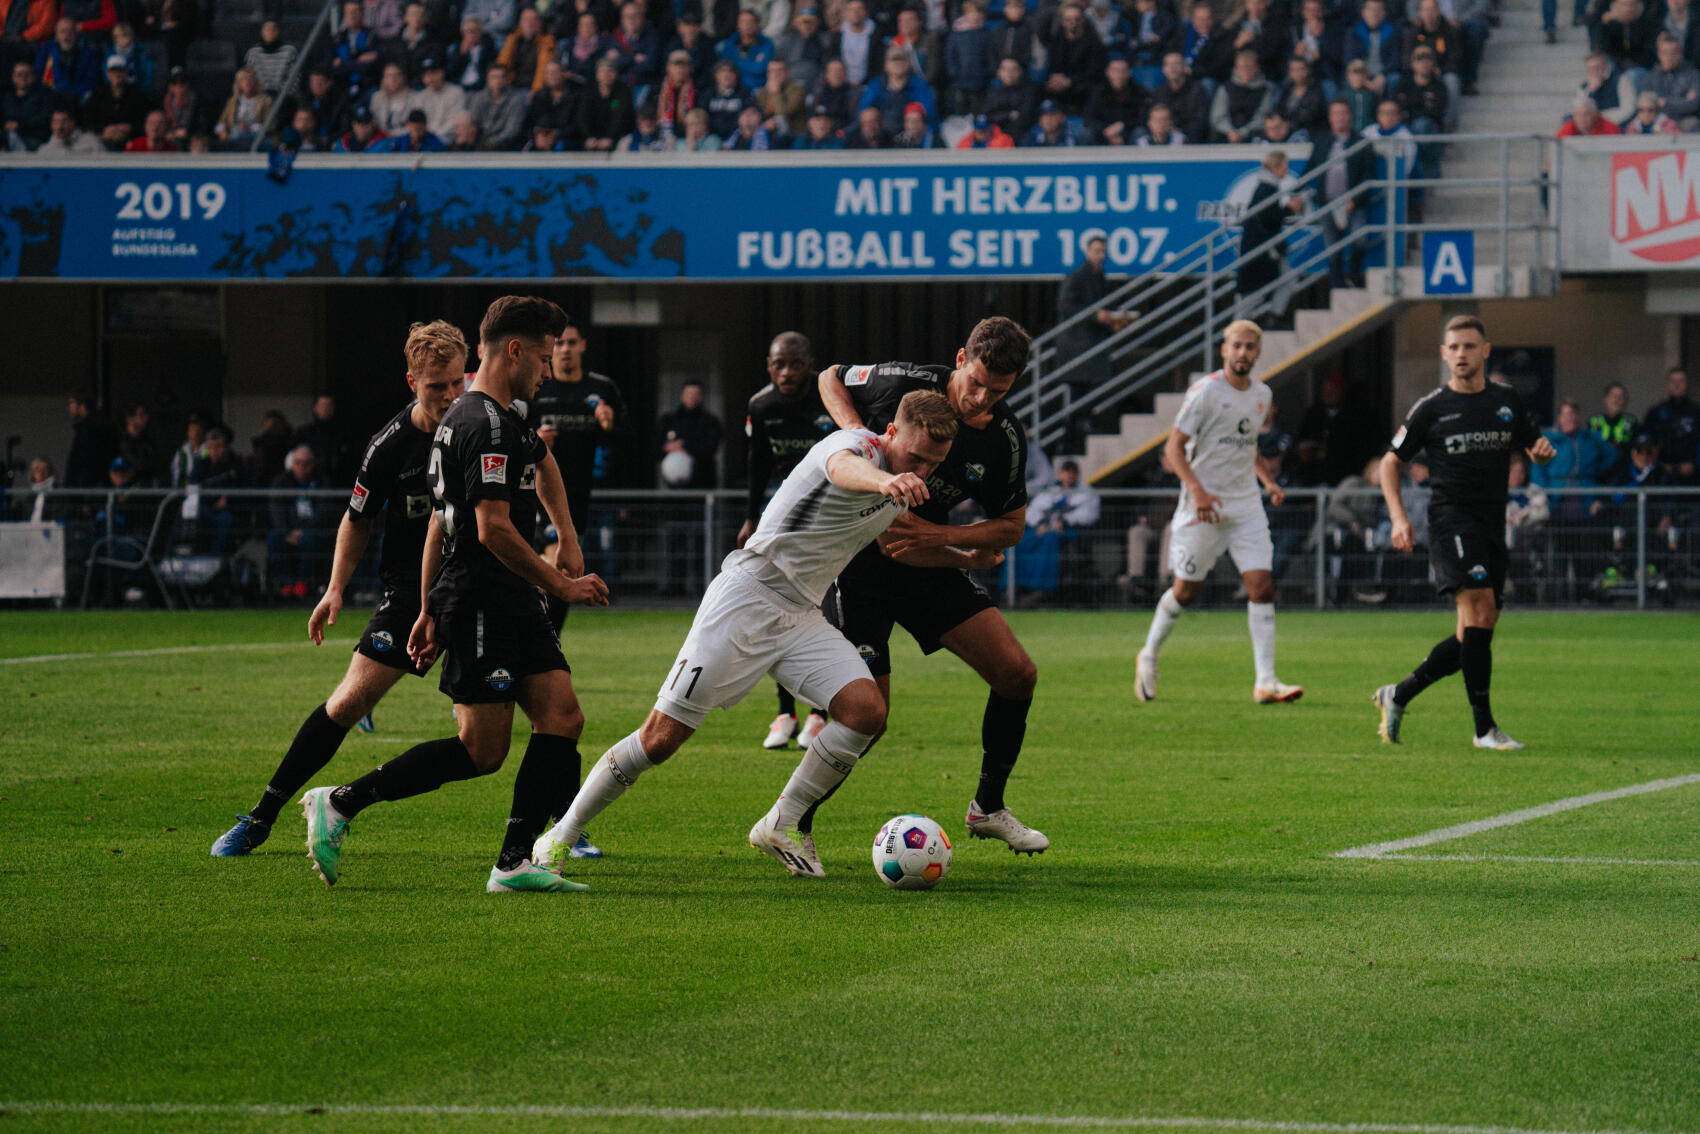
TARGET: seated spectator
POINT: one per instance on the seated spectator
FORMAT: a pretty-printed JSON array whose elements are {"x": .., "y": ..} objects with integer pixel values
[
  {"x": 24, "y": 26},
  {"x": 1116, "y": 106},
  {"x": 1621, "y": 30},
  {"x": 1009, "y": 100},
  {"x": 383, "y": 18},
  {"x": 1423, "y": 99},
  {"x": 300, "y": 525},
  {"x": 1160, "y": 127},
  {"x": 1351, "y": 518},
  {"x": 1582, "y": 461},
  {"x": 898, "y": 87},
  {"x": 528, "y": 47},
  {"x": 268, "y": 449},
  {"x": 1374, "y": 41},
  {"x": 805, "y": 47},
  {"x": 1186, "y": 98},
  {"x": 1675, "y": 425},
  {"x": 495, "y": 17},
  {"x": 1016, "y": 37},
  {"x": 1106, "y": 18},
  {"x": 1390, "y": 123},
  {"x": 1615, "y": 426},
  {"x": 245, "y": 112},
  {"x": 69, "y": 63},
  {"x": 1265, "y": 36},
  {"x": 217, "y": 467},
  {"x": 925, "y": 50},
  {"x": 181, "y": 107},
  {"x": 412, "y": 45},
  {"x": 464, "y": 138},
  {"x": 750, "y": 134},
  {"x": 1240, "y": 103},
  {"x": 1051, "y": 129},
  {"x": 748, "y": 50},
  {"x": 1206, "y": 49},
  {"x": 1622, "y": 512},
  {"x": 647, "y": 137},
  {"x": 36, "y": 503},
  {"x": 1360, "y": 97},
  {"x": 443, "y": 102},
  {"x": 1675, "y": 82},
  {"x": 1301, "y": 99},
  {"x": 781, "y": 101},
  {"x": 677, "y": 93},
  {"x": 126, "y": 517},
  {"x": 65, "y": 139},
  {"x": 1050, "y": 557},
  {"x": 696, "y": 139},
  {"x": 415, "y": 138},
  {"x": 330, "y": 106},
  {"x": 985, "y": 135},
  {"x": 1649, "y": 119},
  {"x": 857, "y": 42},
  {"x": 271, "y": 59},
  {"x": 869, "y": 132},
  {"x": 1441, "y": 36},
  {"x": 469, "y": 61},
  {"x": 690, "y": 38},
  {"x": 1585, "y": 121},
  {"x": 545, "y": 139},
  {"x": 136, "y": 444},
  {"x": 820, "y": 132},
  {"x": 639, "y": 47},
  {"x": 1613, "y": 91},
  {"x": 117, "y": 110},
  {"x": 499, "y": 111},
  {"x": 391, "y": 103},
  {"x": 27, "y": 110},
  {"x": 556, "y": 104},
  {"x": 968, "y": 62},
  {"x": 182, "y": 460},
  {"x": 605, "y": 110},
  {"x": 354, "y": 52},
  {"x": 1075, "y": 60},
  {"x": 725, "y": 100},
  {"x": 1276, "y": 130},
  {"x": 1319, "y": 43},
  {"x": 1153, "y": 27},
  {"x": 917, "y": 133},
  {"x": 156, "y": 136}
]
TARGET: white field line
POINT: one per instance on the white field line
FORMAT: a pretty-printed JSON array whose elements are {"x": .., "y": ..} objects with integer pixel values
[
  {"x": 1511, "y": 818},
  {"x": 715, "y": 1113},
  {"x": 1543, "y": 858},
  {"x": 38, "y": 659}
]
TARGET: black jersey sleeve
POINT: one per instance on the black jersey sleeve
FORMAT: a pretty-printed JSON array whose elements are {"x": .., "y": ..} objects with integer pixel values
[
  {"x": 875, "y": 390},
  {"x": 760, "y": 461},
  {"x": 490, "y": 459},
  {"x": 1412, "y": 436},
  {"x": 376, "y": 479},
  {"x": 1002, "y": 497},
  {"x": 1525, "y": 430}
]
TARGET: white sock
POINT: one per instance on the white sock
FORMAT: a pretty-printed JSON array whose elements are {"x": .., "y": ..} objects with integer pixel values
[
  {"x": 1261, "y": 617},
  {"x": 1168, "y": 611},
  {"x": 829, "y": 759},
  {"x": 617, "y": 770}
]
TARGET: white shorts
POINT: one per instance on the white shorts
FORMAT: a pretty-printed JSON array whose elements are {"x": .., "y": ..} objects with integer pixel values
[
  {"x": 1242, "y": 531},
  {"x": 742, "y": 631}
]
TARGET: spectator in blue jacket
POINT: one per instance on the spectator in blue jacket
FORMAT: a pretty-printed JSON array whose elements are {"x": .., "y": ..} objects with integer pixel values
[
  {"x": 968, "y": 61},
  {"x": 1051, "y": 129},
  {"x": 1153, "y": 29},
  {"x": 1374, "y": 40},
  {"x": 354, "y": 51},
  {"x": 416, "y": 139},
  {"x": 748, "y": 49},
  {"x": 69, "y": 63},
  {"x": 1582, "y": 460},
  {"x": 899, "y": 87},
  {"x": 822, "y": 133}
]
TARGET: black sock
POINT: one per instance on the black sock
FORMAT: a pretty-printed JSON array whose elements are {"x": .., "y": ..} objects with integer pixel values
[
  {"x": 1442, "y": 661},
  {"x": 539, "y": 786},
  {"x": 572, "y": 770},
  {"x": 315, "y": 743},
  {"x": 787, "y": 703},
  {"x": 557, "y": 612},
  {"x": 422, "y": 768},
  {"x": 1002, "y": 730},
  {"x": 1476, "y": 660},
  {"x": 806, "y": 821}
]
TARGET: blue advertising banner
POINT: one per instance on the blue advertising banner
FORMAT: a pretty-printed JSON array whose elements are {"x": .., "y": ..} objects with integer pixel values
[{"x": 743, "y": 217}]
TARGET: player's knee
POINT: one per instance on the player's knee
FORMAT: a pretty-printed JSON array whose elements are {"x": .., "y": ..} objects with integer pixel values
[
  {"x": 486, "y": 756},
  {"x": 1018, "y": 679},
  {"x": 567, "y": 721},
  {"x": 860, "y": 710}
]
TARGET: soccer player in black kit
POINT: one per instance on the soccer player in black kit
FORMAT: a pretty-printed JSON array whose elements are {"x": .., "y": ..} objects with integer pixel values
[
  {"x": 574, "y": 412},
  {"x": 391, "y": 481},
  {"x": 485, "y": 610},
  {"x": 784, "y": 421},
  {"x": 940, "y": 606},
  {"x": 1469, "y": 428}
]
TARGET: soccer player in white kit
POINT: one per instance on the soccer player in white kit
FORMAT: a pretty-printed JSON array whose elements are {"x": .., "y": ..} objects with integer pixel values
[
  {"x": 761, "y": 616},
  {"x": 1213, "y": 448}
]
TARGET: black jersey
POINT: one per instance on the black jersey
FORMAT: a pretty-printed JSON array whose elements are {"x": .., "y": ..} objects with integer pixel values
[
  {"x": 481, "y": 452},
  {"x": 1469, "y": 439},
  {"x": 392, "y": 479},
  {"x": 570, "y": 409},
  {"x": 780, "y": 432},
  {"x": 988, "y": 466}
]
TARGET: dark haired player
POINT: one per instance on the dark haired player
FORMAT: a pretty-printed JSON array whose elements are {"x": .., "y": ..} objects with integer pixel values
[
  {"x": 485, "y": 610},
  {"x": 574, "y": 412},
  {"x": 785, "y": 420},
  {"x": 391, "y": 480},
  {"x": 940, "y": 606},
  {"x": 1469, "y": 428}
]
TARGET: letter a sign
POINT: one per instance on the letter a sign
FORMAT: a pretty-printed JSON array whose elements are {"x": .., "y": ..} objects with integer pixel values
[{"x": 1449, "y": 263}]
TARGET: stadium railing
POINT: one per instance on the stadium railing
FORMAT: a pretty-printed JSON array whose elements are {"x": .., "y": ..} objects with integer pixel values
[{"x": 1627, "y": 548}]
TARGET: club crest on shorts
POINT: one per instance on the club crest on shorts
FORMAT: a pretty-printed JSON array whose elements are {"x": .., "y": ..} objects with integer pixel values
[
  {"x": 382, "y": 641},
  {"x": 868, "y": 653},
  {"x": 499, "y": 680},
  {"x": 1478, "y": 572}
]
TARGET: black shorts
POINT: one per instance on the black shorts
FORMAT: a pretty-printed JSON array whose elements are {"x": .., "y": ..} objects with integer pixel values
[
  {"x": 874, "y": 592},
  {"x": 385, "y": 638},
  {"x": 489, "y": 648},
  {"x": 1467, "y": 553}
]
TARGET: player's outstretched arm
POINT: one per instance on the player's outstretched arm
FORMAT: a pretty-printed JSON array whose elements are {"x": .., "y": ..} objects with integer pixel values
[
  {"x": 858, "y": 474},
  {"x": 1401, "y": 533},
  {"x": 836, "y": 398},
  {"x": 911, "y": 533},
  {"x": 552, "y": 494},
  {"x": 966, "y": 559},
  {"x": 1205, "y": 502},
  {"x": 500, "y": 538},
  {"x": 351, "y": 538}
]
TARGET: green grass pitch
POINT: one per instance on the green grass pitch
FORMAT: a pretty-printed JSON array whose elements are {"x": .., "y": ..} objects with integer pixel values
[{"x": 1187, "y": 949}]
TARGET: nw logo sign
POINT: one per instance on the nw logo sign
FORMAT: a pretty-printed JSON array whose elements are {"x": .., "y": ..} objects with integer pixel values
[{"x": 1655, "y": 205}]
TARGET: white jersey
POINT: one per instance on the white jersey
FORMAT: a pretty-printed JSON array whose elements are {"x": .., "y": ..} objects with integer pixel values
[
  {"x": 1223, "y": 424},
  {"x": 812, "y": 527}
]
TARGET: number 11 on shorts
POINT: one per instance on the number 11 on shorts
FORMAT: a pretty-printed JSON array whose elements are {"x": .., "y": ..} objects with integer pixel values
[{"x": 696, "y": 672}]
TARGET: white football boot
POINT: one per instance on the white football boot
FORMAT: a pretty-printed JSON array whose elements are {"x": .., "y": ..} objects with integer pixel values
[
  {"x": 779, "y": 733},
  {"x": 1277, "y": 693},
  {"x": 1145, "y": 676},
  {"x": 1000, "y": 824},
  {"x": 777, "y": 845},
  {"x": 811, "y": 729},
  {"x": 1495, "y": 738}
]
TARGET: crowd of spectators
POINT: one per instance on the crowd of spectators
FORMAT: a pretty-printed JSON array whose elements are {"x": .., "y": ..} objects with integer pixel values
[
  {"x": 593, "y": 75},
  {"x": 1642, "y": 71}
]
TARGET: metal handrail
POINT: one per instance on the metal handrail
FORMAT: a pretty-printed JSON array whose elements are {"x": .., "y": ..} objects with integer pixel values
[{"x": 326, "y": 15}]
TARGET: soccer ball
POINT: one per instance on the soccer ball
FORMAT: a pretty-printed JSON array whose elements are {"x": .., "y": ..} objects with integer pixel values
[{"x": 911, "y": 852}]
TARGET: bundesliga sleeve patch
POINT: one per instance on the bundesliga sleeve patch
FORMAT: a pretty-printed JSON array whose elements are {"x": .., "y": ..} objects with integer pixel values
[
  {"x": 357, "y": 499},
  {"x": 858, "y": 375},
  {"x": 495, "y": 468},
  {"x": 1398, "y": 438}
]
